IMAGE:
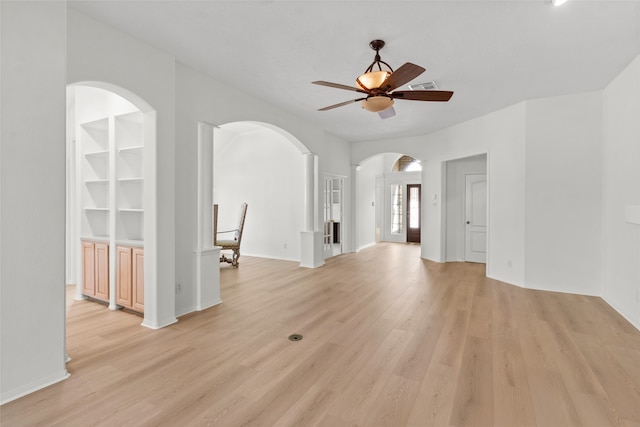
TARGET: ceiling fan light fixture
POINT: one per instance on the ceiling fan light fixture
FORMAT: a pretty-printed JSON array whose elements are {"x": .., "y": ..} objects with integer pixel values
[
  {"x": 375, "y": 104},
  {"x": 372, "y": 79}
]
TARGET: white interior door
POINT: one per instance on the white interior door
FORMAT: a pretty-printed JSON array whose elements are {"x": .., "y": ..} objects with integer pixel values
[{"x": 476, "y": 218}]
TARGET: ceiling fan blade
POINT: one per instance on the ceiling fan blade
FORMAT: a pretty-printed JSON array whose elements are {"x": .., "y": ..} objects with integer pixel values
[
  {"x": 331, "y": 107},
  {"x": 389, "y": 112},
  {"x": 402, "y": 75},
  {"x": 338, "y": 86},
  {"x": 423, "y": 95}
]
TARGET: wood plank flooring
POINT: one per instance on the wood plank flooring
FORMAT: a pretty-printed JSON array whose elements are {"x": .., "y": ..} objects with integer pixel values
[{"x": 389, "y": 340}]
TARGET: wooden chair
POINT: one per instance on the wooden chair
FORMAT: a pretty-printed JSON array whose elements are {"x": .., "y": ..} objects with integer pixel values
[{"x": 229, "y": 244}]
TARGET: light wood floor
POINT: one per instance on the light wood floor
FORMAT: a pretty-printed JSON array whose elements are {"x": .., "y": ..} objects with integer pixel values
[{"x": 389, "y": 339}]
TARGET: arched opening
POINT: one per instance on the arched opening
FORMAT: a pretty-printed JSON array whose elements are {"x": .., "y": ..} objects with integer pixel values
[
  {"x": 264, "y": 166},
  {"x": 111, "y": 248},
  {"x": 389, "y": 203}
]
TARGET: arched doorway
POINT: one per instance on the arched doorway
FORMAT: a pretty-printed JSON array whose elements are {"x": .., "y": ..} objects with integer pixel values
[
  {"x": 111, "y": 248},
  {"x": 387, "y": 198},
  {"x": 264, "y": 166}
]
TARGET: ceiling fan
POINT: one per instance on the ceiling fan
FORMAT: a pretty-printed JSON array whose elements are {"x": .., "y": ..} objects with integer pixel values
[{"x": 378, "y": 85}]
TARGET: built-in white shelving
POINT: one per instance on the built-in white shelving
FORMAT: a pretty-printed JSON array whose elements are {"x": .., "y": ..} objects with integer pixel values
[{"x": 111, "y": 176}]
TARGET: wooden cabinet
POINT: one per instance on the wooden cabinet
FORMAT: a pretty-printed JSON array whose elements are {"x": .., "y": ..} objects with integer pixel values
[
  {"x": 130, "y": 277},
  {"x": 123, "y": 277},
  {"x": 95, "y": 269}
]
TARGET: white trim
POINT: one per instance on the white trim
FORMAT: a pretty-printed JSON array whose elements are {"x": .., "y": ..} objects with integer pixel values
[
  {"x": 623, "y": 313},
  {"x": 33, "y": 387},
  {"x": 158, "y": 325}
]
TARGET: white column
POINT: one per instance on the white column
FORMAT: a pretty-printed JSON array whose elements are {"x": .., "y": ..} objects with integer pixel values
[
  {"x": 354, "y": 207},
  {"x": 309, "y": 191},
  {"x": 113, "y": 212},
  {"x": 310, "y": 238},
  {"x": 205, "y": 185},
  {"x": 207, "y": 256}
]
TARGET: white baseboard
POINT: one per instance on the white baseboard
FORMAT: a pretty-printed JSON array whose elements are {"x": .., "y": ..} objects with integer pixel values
[
  {"x": 623, "y": 313},
  {"x": 11, "y": 395},
  {"x": 158, "y": 325}
]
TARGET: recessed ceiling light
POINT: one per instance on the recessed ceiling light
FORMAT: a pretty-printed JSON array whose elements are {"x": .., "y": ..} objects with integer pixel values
[{"x": 558, "y": 2}]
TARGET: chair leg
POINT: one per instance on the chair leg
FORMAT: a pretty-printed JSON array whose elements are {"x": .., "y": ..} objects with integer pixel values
[{"x": 236, "y": 256}]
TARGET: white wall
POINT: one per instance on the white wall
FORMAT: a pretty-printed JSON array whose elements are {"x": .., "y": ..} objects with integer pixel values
[
  {"x": 621, "y": 188},
  {"x": 455, "y": 202},
  {"x": 32, "y": 196},
  {"x": 564, "y": 194},
  {"x": 366, "y": 201},
  {"x": 99, "y": 53},
  {"x": 262, "y": 168}
]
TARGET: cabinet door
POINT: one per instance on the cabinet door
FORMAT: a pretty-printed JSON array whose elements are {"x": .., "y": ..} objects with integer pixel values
[
  {"x": 102, "y": 270},
  {"x": 138, "y": 279},
  {"x": 123, "y": 276},
  {"x": 88, "y": 269}
]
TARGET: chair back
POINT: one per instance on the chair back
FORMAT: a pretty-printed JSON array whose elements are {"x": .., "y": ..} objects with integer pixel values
[
  {"x": 237, "y": 235},
  {"x": 243, "y": 214}
]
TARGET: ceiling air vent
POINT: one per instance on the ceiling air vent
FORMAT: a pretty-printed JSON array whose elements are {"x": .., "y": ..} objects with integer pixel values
[{"x": 424, "y": 86}]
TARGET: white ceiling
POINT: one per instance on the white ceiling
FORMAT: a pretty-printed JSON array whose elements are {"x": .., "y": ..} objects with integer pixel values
[{"x": 492, "y": 54}]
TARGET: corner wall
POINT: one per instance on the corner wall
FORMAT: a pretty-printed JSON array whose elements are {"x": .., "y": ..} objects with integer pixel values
[
  {"x": 621, "y": 188},
  {"x": 563, "y": 220}
]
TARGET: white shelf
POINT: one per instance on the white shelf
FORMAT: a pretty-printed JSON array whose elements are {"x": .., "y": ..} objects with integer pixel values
[
  {"x": 98, "y": 154},
  {"x": 100, "y": 124},
  {"x": 132, "y": 242},
  {"x": 97, "y": 181},
  {"x": 103, "y": 238},
  {"x": 138, "y": 179},
  {"x": 131, "y": 210},
  {"x": 131, "y": 150},
  {"x": 97, "y": 209}
]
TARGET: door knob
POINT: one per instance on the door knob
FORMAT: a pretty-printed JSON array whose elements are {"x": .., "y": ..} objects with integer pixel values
[{"x": 468, "y": 222}]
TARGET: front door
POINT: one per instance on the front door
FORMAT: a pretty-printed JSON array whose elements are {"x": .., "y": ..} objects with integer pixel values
[
  {"x": 413, "y": 213},
  {"x": 476, "y": 218}
]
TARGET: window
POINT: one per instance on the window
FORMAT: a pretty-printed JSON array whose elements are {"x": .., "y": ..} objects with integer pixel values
[
  {"x": 407, "y": 164},
  {"x": 414, "y": 206},
  {"x": 397, "y": 225}
]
